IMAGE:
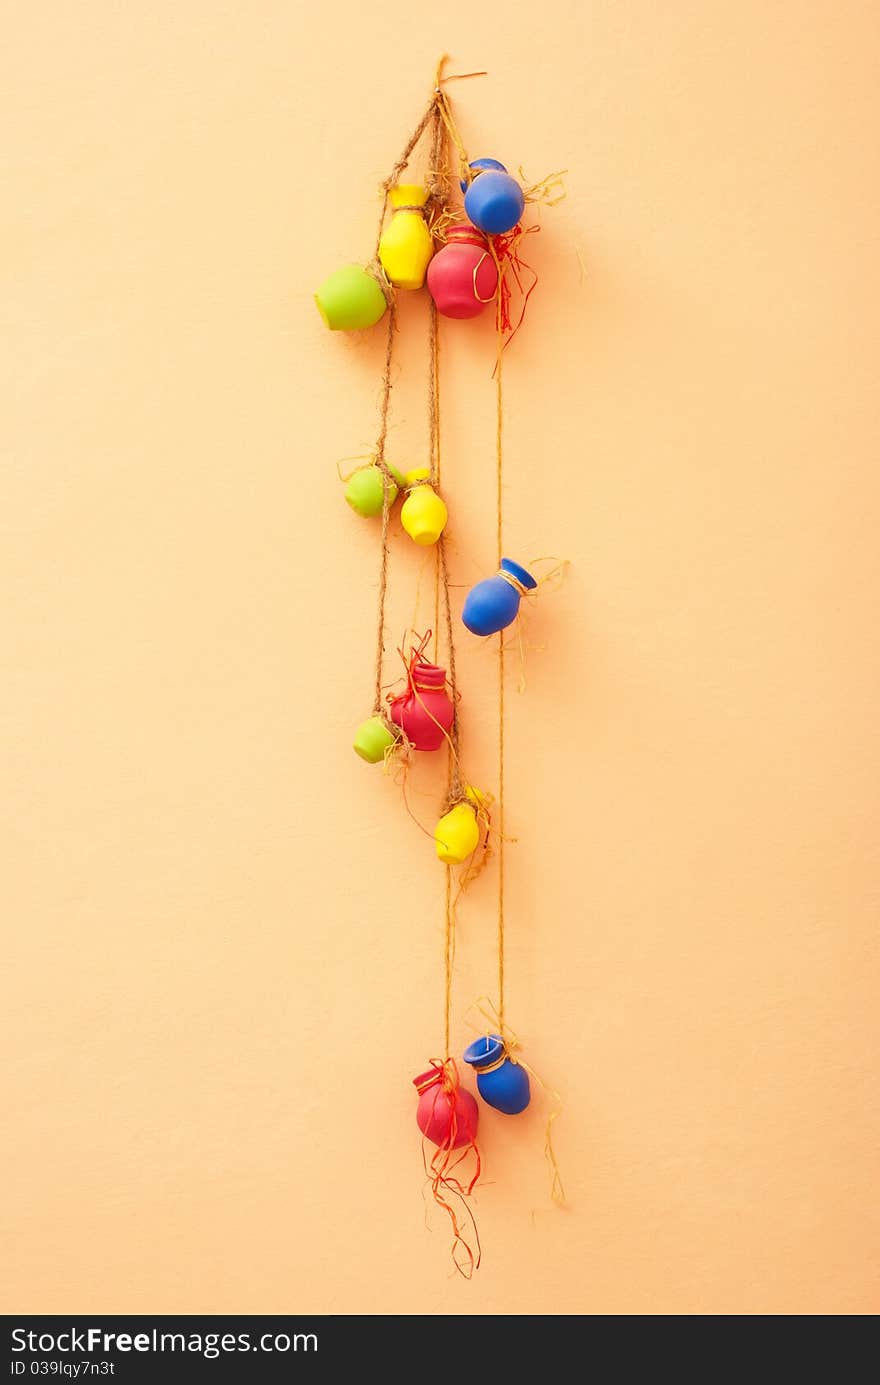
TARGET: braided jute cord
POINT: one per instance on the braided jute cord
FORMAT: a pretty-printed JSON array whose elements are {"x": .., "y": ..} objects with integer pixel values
[
  {"x": 439, "y": 119},
  {"x": 499, "y": 543},
  {"x": 441, "y": 584},
  {"x": 439, "y": 105},
  {"x": 387, "y": 483},
  {"x": 438, "y": 112}
]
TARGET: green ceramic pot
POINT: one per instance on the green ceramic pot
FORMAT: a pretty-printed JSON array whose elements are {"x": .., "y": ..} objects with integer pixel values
[
  {"x": 350, "y": 299},
  {"x": 364, "y": 490},
  {"x": 373, "y": 739}
]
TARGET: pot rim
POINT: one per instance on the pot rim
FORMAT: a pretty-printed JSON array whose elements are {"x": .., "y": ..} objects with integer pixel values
[
  {"x": 519, "y": 572},
  {"x": 483, "y": 1051}
]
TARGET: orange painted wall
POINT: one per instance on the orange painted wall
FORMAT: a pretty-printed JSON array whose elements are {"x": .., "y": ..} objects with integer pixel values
[{"x": 222, "y": 933}]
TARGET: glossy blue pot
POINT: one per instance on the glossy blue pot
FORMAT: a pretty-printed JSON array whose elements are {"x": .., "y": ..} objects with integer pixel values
[
  {"x": 494, "y": 200},
  {"x": 493, "y": 604},
  {"x": 501, "y": 1082}
]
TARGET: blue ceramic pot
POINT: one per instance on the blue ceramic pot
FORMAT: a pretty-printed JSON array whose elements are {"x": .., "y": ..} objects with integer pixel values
[
  {"x": 493, "y": 604},
  {"x": 494, "y": 201},
  {"x": 482, "y": 164},
  {"x": 501, "y": 1082}
]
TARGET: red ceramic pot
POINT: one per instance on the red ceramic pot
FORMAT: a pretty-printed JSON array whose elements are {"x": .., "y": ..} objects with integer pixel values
[
  {"x": 462, "y": 277},
  {"x": 447, "y": 1115},
  {"x": 425, "y": 712}
]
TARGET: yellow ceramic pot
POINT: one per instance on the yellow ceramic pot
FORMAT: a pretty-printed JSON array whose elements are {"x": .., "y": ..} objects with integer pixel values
[
  {"x": 422, "y": 514},
  {"x": 406, "y": 247},
  {"x": 457, "y": 834}
]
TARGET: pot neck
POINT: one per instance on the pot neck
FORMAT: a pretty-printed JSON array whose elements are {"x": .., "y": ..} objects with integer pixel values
[
  {"x": 428, "y": 677},
  {"x": 487, "y": 1053},
  {"x": 466, "y": 235},
  {"x": 407, "y": 197}
]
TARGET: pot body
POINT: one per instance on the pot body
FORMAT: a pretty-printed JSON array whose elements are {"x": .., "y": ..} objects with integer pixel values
[
  {"x": 494, "y": 201},
  {"x": 406, "y": 246},
  {"x": 350, "y": 299},
  {"x": 373, "y": 739},
  {"x": 424, "y": 712},
  {"x": 490, "y": 606},
  {"x": 493, "y": 604},
  {"x": 448, "y": 1118},
  {"x": 506, "y": 1086},
  {"x": 364, "y": 490},
  {"x": 462, "y": 277},
  {"x": 457, "y": 834},
  {"x": 423, "y": 515}
]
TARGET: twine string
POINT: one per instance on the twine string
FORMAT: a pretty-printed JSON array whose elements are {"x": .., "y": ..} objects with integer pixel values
[
  {"x": 439, "y": 138},
  {"x": 438, "y": 174},
  {"x": 401, "y": 164},
  {"x": 439, "y": 110},
  {"x": 499, "y": 543},
  {"x": 448, "y": 951},
  {"x": 453, "y": 1172},
  {"x": 431, "y": 114},
  {"x": 512, "y": 581},
  {"x": 450, "y": 1186},
  {"x": 387, "y": 484},
  {"x": 445, "y": 107},
  {"x": 494, "y": 1024}
]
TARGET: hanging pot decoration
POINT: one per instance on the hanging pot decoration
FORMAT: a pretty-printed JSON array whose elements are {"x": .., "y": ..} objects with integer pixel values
[
  {"x": 350, "y": 299},
  {"x": 365, "y": 489},
  {"x": 447, "y": 1115},
  {"x": 457, "y": 834},
  {"x": 501, "y": 1081},
  {"x": 374, "y": 739},
  {"x": 493, "y": 200},
  {"x": 463, "y": 276},
  {"x": 425, "y": 712},
  {"x": 406, "y": 245},
  {"x": 478, "y": 261},
  {"x": 493, "y": 604},
  {"x": 422, "y": 514}
]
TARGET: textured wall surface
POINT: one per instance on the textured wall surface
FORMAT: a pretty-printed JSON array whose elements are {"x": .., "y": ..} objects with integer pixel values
[{"x": 223, "y": 933}]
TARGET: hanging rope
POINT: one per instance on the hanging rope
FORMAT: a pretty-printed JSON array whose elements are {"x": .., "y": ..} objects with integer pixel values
[
  {"x": 387, "y": 483},
  {"x": 499, "y": 544},
  {"x": 438, "y": 115},
  {"x": 450, "y": 1186}
]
